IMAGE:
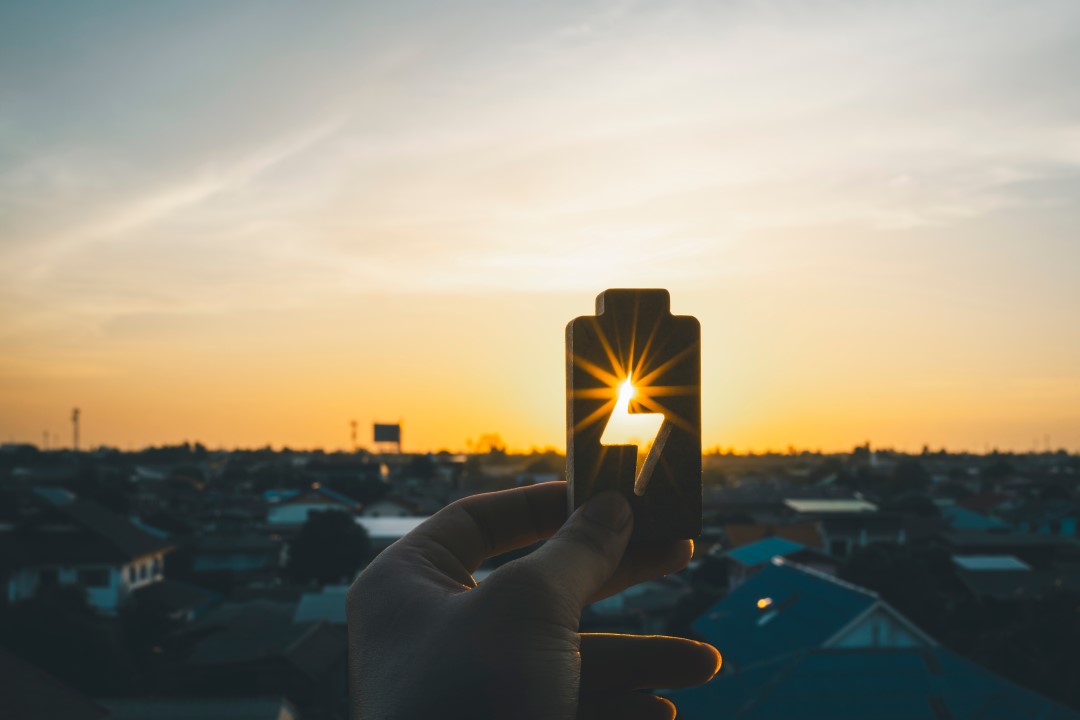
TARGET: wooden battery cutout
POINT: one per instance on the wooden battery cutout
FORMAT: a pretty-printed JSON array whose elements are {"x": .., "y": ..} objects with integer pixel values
[{"x": 633, "y": 383}]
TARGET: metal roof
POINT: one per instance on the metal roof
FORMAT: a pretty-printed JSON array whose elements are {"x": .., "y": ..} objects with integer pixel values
[
  {"x": 764, "y": 550},
  {"x": 884, "y": 684},
  {"x": 329, "y": 605},
  {"x": 812, "y": 507},
  {"x": 389, "y": 528},
  {"x": 961, "y": 518},
  {"x": 990, "y": 562},
  {"x": 781, "y": 609}
]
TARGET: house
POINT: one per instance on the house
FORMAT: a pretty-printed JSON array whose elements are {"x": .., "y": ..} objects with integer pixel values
[
  {"x": 244, "y": 557},
  {"x": 54, "y": 538},
  {"x": 927, "y": 683},
  {"x": 1050, "y": 517},
  {"x": 847, "y": 524},
  {"x": 328, "y": 604},
  {"x": 746, "y": 561},
  {"x": 293, "y": 511},
  {"x": 390, "y": 506},
  {"x": 1041, "y": 552},
  {"x": 961, "y": 518},
  {"x": 385, "y": 531},
  {"x": 845, "y": 532},
  {"x": 1004, "y": 577},
  {"x": 786, "y": 608}
]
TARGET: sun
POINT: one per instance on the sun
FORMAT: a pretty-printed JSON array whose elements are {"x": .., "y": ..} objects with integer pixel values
[{"x": 627, "y": 428}]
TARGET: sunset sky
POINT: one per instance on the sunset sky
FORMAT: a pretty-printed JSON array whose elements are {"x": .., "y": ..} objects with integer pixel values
[{"x": 250, "y": 222}]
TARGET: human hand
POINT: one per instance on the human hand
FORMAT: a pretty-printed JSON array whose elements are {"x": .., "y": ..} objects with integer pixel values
[{"x": 426, "y": 641}]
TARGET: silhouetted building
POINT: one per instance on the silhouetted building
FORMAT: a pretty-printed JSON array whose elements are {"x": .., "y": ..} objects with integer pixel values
[{"x": 55, "y": 538}]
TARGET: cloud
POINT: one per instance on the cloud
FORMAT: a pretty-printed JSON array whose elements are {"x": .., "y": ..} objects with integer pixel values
[{"x": 666, "y": 139}]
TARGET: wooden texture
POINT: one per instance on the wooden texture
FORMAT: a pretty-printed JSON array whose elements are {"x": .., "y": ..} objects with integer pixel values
[{"x": 634, "y": 334}]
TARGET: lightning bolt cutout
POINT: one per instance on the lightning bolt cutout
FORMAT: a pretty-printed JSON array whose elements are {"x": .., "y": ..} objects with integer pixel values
[{"x": 626, "y": 428}]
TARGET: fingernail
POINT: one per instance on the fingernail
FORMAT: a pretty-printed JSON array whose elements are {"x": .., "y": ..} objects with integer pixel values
[{"x": 609, "y": 509}]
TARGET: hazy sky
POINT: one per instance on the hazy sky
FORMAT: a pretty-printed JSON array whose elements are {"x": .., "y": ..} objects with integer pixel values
[{"x": 250, "y": 222}]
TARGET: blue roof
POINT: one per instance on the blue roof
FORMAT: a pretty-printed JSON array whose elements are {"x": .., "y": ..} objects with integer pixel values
[
  {"x": 277, "y": 495},
  {"x": 961, "y": 518},
  {"x": 885, "y": 684},
  {"x": 801, "y": 609},
  {"x": 764, "y": 550},
  {"x": 56, "y": 496},
  {"x": 335, "y": 495}
]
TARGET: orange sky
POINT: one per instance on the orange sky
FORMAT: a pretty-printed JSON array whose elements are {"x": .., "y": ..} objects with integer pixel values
[{"x": 376, "y": 214}]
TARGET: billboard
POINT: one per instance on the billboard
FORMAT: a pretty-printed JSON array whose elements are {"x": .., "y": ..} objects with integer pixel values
[{"x": 388, "y": 433}]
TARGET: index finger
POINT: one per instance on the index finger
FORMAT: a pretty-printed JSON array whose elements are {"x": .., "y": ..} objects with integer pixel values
[{"x": 482, "y": 526}]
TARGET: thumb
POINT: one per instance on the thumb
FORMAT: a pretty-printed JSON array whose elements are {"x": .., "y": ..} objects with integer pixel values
[{"x": 584, "y": 553}]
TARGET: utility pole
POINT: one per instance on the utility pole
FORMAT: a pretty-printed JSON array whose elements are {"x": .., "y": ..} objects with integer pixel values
[
  {"x": 75, "y": 428},
  {"x": 352, "y": 424}
]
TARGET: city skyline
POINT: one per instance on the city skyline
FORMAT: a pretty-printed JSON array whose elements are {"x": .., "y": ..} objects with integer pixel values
[{"x": 250, "y": 224}]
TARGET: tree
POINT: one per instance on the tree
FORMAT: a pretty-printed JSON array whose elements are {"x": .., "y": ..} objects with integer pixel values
[
  {"x": 421, "y": 467},
  {"x": 919, "y": 582},
  {"x": 491, "y": 444},
  {"x": 330, "y": 548}
]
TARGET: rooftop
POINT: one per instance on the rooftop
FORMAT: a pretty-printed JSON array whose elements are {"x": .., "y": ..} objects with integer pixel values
[
  {"x": 885, "y": 684},
  {"x": 389, "y": 528},
  {"x": 29, "y": 693},
  {"x": 781, "y": 609},
  {"x": 764, "y": 550},
  {"x": 825, "y": 506},
  {"x": 962, "y": 518},
  {"x": 329, "y": 605},
  {"x": 990, "y": 562},
  {"x": 65, "y": 529}
]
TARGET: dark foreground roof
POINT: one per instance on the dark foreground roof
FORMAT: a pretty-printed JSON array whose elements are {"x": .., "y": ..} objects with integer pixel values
[
  {"x": 201, "y": 708},
  {"x": 29, "y": 693},
  {"x": 261, "y": 630},
  {"x": 894, "y": 684}
]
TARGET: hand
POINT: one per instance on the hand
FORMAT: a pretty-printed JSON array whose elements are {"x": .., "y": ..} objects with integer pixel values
[{"x": 425, "y": 641}]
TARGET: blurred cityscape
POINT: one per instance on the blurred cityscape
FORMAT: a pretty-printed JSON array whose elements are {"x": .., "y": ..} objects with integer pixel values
[{"x": 179, "y": 582}]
